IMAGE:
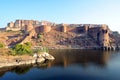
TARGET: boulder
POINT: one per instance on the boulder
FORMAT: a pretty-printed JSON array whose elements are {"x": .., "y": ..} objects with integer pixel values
[
  {"x": 46, "y": 56},
  {"x": 40, "y": 60}
]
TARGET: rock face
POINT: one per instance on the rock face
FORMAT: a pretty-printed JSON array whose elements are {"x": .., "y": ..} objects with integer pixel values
[
  {"x": 47, "y": 56},
  {"x": 71, "y": 34}
]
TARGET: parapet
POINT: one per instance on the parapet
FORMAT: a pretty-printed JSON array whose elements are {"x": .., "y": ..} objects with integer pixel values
[{"x": 45, "y": 28}]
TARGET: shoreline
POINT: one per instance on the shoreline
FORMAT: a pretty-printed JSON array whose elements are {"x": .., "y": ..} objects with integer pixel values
[
  {"x": 8, "y": 61},
  {"x": 20, "y": 60},
  {"x": 92, "y": 48}
]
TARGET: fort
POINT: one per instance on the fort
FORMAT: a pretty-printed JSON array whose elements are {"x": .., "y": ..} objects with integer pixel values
[{"x": 99, "y": 34}]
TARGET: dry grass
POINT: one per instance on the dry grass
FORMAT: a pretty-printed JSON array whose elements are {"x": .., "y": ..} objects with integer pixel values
[{"x": 4, "y": 52}]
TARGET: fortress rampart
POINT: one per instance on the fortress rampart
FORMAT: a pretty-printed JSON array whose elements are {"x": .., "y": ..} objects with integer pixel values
[{"x": 99, "y": 33}]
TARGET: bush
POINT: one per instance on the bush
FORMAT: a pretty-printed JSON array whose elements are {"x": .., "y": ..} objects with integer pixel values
[
  {"x": 28, "y": 44},
  {"x": 44, "y": 49},
  {"x": 12, "y": 52},
  {"x": 23, "y": 49},
  {"x": 37, "y": 50},
  {"x": 1, "y": 45}
]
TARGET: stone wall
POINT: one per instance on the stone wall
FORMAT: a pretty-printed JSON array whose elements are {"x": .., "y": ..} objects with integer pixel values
[
  {"x": 45, "y": 28},
  {"x": 17, "y": 23},
  {"x": 11, "y": 24},
  {"x": 99, "y": 33},
  {"x": 93, "y": 32},
  {"x": 21, "y": 24},
  {"x": 13, "y": 29},
  {"x": 28, "y": 27}
]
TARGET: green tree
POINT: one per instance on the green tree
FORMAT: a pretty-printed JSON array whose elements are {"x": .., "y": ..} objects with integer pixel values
[
  {"x": 23, "y": 49},
  {"x": 28, "y": 44}
]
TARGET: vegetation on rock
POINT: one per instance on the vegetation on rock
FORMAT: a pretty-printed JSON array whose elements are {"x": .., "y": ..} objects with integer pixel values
[
  {"x": 44, "y": 49},
  {"x": 1, "y": 45},
  {"x": 21, "y": 49}
]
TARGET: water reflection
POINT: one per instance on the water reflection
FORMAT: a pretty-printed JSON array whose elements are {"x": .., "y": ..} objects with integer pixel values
[
  {"x": 23, "y": 69},
  {"x": 83, "y": 57},
  {"x": 65, "y": 58}
]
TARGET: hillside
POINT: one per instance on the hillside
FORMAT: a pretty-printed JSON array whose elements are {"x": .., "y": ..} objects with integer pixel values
[
  {"x": 60, "y": 36},
  {"x": 60, "y": 40}
]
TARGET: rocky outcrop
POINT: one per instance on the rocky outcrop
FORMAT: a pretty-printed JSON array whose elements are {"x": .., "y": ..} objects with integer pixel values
[
  {"x": 40, "y": 58},
  {"x": 46, "y": 56},
  {"x": 100, "y": 33}
]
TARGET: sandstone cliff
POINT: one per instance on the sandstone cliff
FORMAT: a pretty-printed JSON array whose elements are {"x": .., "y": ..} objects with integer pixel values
[{"x": 63, "y": 35}]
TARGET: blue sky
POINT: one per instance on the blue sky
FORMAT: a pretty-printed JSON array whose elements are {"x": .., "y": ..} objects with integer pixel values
[{"x": 62, "y": 11}]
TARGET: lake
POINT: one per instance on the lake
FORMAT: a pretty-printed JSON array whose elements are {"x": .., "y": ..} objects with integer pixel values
[{"x": 70, "y": 65}]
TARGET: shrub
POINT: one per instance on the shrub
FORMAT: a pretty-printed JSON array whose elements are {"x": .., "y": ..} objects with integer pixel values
[
  {"x": 36, "y": 50},
  {"x": 28, "y": 44},
  {"x": 44, "y": 49},
  {"x": 23, "y": 49},
  {"x": 1, "y": 45}
]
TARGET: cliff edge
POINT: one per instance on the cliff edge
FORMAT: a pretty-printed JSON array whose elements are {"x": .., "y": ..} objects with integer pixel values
[{"x": 62, "y": 36}]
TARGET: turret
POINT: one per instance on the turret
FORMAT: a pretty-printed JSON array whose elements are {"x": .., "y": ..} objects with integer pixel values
[
  {"x": 11, "y": 24},
  {"x": 22, "y": 23},
  {"x": 104, "y": 36},
  {"x": 63, "y": 28},
  {"x": 17, "y": 23},
  {"x": 86, "y": 28}
]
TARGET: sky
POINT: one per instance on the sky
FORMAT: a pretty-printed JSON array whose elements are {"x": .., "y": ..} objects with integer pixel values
[{"x": 62, "y": 11}]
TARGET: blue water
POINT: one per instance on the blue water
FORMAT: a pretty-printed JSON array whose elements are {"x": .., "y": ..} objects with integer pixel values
[{"x": 70, "y": 65}]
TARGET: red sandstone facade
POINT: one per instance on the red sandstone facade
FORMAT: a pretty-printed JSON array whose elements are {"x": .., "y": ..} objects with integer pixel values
[{"x": 100, "y": 33}]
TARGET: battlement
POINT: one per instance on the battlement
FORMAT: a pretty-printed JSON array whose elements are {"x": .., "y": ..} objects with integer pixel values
[{"x": 100, "y": 33}]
